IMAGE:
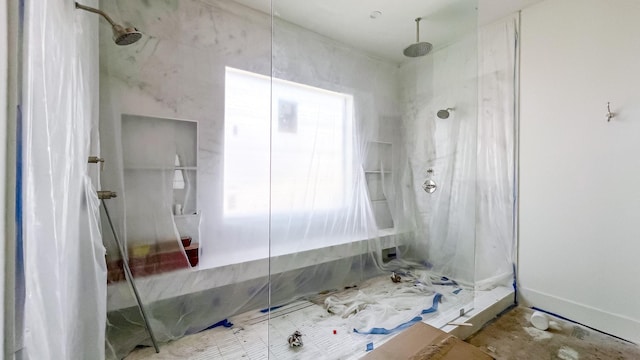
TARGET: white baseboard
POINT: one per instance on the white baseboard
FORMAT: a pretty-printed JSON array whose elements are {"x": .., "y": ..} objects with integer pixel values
[{"x": 604, "y": 321}]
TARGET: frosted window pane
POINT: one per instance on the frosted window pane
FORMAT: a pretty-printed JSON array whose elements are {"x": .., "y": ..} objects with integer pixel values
[{"x": 308, "y": 137}]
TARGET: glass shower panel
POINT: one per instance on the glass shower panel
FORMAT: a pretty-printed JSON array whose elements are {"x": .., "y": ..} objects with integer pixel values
[
  {"x": 185, "y": 137},
  {"x": 359, "y": 250}
]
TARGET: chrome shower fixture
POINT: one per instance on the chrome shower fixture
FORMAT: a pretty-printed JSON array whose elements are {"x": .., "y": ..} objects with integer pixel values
[
  {"x": 429, "y": 185},
  {"x": 419, "y": 48},
  {"x": 121, "y": 35},
  {"x": 444, "y": 113}
]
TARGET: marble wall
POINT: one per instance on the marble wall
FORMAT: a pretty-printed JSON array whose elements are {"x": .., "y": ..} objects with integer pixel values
[
  {"x": 178, "y": 71},
  {"x": 445, "y": 220}
]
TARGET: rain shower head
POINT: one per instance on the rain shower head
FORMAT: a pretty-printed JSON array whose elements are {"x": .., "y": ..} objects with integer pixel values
[
  {"x": 444, "y": 114},
  {"x": 121, "y": 35},
  {"x": 419, "y": 48}
]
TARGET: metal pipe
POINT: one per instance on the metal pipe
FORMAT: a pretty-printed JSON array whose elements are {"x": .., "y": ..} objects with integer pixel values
[
  {"x": 96, "y": 11},
  {"x": 129, "y": 276}
]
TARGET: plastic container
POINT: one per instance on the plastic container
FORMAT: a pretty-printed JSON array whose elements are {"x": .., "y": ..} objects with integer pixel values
[{"x": 539, "y": 320}]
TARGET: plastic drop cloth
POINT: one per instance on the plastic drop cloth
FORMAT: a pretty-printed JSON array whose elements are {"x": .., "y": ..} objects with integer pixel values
[
  {"x": 379, "y": 303},
  {"x": 497, "y": 133},
  {"x": 65, "y": 275},
  {"x": 275, "y": 216},
  {"x": 445, "y": 219}
]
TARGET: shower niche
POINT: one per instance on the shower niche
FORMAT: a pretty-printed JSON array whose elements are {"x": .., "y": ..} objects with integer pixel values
[
  {"x": 378, "y": 175},
  {"x": 160, "y": 170}
]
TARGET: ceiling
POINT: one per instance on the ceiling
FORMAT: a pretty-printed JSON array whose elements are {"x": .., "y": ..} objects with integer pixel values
[{"x": 348, "y": 21}]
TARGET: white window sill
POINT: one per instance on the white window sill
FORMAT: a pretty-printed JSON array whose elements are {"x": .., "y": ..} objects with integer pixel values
[{"x": 178, "y": 283}]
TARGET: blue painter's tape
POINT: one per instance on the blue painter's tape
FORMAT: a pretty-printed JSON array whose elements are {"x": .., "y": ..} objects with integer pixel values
[
  {"x": 515, "y": 285},
  {"x": 579, "y": 323},
  {"x": 224, "y": 323},
  {"x": 434, "y": 307},
  {"x": 20, "y": 284},
  {"x": 383, "y": 331},
  {"x": 447, "y": 283},
  {"x": 370, "y": 346},
  {"x": 271, "y": 309}
]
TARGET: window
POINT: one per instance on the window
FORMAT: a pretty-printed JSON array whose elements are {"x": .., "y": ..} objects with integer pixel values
[{"x": 287, "y": 147}]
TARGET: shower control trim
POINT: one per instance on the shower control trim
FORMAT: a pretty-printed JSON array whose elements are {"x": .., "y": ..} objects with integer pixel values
[
  {"x": 97, "y": 160},
  {"x": 106, "y": 195},
  {"x": 429, "y": 185}
]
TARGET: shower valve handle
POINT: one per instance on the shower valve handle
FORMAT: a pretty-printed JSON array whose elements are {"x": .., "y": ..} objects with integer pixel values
[
  {"x": 106, "y": 195},
  {"x": 96, "y": 160}
]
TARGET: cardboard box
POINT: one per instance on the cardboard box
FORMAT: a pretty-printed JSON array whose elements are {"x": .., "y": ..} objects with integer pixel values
[{"x": 424, "y": 342}]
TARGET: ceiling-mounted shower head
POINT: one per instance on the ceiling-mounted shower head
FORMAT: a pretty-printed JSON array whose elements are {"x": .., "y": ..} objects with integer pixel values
[
  {"x": 419, "y": 48},
  {"x": 444, "y": 114},
  {"x": 121, "y": 35}
]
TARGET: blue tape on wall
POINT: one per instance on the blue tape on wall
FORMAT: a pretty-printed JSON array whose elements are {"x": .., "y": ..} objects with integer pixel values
[
  {"x": 515, "y": 285},
  {"x": 20, "y": 287}
]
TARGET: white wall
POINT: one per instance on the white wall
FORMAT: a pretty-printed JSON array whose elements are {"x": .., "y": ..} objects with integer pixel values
[{"x": 579, "y": 193}]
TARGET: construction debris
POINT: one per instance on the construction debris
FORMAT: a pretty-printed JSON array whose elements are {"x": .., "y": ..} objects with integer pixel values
[{"x": 295, "y": 339}]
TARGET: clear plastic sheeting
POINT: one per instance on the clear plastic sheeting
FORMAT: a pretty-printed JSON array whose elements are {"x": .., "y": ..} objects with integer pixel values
[
  {"x": 389, "y": 304},
  {"x": 497, "y": 91},
  {"x": 198, "y": 249},
  {"x": 65, "y": 275},
  {"x": 445, "y": 219},
  {"x": 289, "y": 163}
]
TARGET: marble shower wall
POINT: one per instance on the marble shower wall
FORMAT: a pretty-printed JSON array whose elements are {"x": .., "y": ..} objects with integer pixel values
[
  {"x": 445, "y": 219},
  {"x": 178, "y": 71}
]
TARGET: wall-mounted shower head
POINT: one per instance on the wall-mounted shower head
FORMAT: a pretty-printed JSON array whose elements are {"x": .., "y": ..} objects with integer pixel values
[
  {"x": 419, "y": 48},
  {"x": 444, "y": 113},
  {"x": 125, "y": 35},
  {"x": 121, "y": 35}
]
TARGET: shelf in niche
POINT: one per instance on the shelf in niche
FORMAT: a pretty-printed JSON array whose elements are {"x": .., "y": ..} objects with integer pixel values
[
  {"x": 386, "y": 232},
  {"x": 378, "y": 165},
  {"x": 184, "y": 216},
  {"x": 376, "y": 172}
]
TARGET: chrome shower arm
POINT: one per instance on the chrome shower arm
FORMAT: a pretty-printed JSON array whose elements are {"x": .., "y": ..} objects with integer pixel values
[{"x": 96, "y": 11}]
